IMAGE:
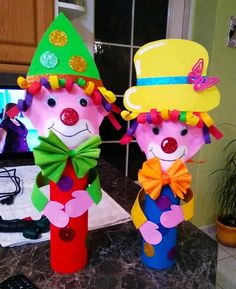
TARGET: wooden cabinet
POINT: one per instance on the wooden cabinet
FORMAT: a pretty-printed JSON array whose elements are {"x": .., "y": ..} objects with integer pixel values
[{"x": 22, "y": 24}]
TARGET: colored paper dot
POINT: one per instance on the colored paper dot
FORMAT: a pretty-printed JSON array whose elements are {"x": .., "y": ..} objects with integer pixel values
[
  {"x": 172, "y": 253},
  {"x": 65, "y": 183},
  {"x": 163, "y": 203},
  {"x": 81, "y": 82},
  {"x": 148, "y": 249},
  {"x": 62, "y": 82},
  {"x": 77, "y": 63},
  {"x": 48, "y": 60},
  {"x": 67, "y": 234},
  {"x": 45, "y": 82},
  {"x": 58, "y": 38}
]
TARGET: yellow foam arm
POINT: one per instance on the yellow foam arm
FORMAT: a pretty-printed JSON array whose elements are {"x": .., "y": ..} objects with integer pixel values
[
  {"x": 139, "y": 218},
  {"x": 137, "y": 214},
  {"x": 188, "y": 206}
]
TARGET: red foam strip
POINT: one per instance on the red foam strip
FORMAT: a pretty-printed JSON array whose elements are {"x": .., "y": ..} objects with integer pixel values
[
  {"x": 14, "y": 111},
  {"x": 215, "y": 132},
  {"x": 126, "y": 139},
  {"x": 115, "y": 108},
  {"x": 114, "y": 122},
  {"x": 34, "y": 88}
]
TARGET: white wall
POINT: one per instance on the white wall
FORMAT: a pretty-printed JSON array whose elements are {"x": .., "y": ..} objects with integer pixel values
[{"x": 85, "y": 25}]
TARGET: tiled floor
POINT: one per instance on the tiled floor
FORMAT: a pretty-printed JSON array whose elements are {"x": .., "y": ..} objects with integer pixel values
[{"x": 226, "y": 266}]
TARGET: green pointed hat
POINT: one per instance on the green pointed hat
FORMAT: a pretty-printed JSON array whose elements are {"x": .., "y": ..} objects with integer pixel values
[{"x": 62, "y": 52}]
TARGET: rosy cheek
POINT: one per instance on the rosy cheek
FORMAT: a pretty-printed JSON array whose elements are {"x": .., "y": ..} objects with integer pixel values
[
  {"x": 37, "y": 115},
  {"x": 143, "y": 141},
  {"x": 92, "y": 115},
  {"x": 183, "y": 141}
]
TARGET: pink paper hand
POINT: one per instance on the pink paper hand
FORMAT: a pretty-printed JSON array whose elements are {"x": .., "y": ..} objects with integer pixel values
[
  {"x": 76, "y": 207},
  {"x": 55, "y": 214},
  {"x": 172, "y": 218},
  {"x": 150, "y": 233}
]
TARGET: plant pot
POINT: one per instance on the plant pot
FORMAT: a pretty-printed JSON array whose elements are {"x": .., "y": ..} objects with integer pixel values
[{"x": 226, "y": 235}]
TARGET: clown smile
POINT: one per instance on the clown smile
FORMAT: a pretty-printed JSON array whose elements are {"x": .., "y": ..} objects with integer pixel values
[
  {"x": 71, "y": 135},
  {"x": 161, "y": 156}
]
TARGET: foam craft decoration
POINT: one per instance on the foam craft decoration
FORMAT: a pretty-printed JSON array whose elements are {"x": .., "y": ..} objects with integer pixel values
[
  {"x": 61, "y": 51},
  {"x": 66, "y": 102},
  {"x": 168, "y": 112},
  {"x": 154, "y": 80}
]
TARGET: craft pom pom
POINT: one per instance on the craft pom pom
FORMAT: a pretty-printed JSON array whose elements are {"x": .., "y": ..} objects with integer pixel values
[
  {"x": 182, "y": 116},
  {"x": 109, "y": 96},
  {"x": 22, "y": 82},
  {"x": 69, "y": 84},
  {"x": 207, "y": 119},
  {"x": 191, "y": 119},
  {"x": 165, "y": 114},
  {"x": 45, "y": 82},
  {"x": 81, "y": 82},
  {"x": 34, "y": 88},
  {"x": 126, "y": 139},
  {"x": 126, "y": 115},
  {"x": 89, "y": 88},
  {"x": 97, "y": 98},
  {"x": 53, "y": 79},
  {"x": 141, "y": 118},
  {"x": 62, "y": 82},
  {"x": 155, "y": 116},
  {"x": 174, "y": 115}
]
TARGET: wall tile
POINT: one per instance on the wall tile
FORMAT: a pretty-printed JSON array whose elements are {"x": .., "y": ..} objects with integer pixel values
[
  {"x": 113, "y": 21},
  {"x": 113, "y": 65},
  {"x": 136, "y": 159},
  {"x": 107, "y": 131},
  {"x": 134, "y": 78},
  {"x": 113, "y": 25},
  {"x": 115, "y": 154},
  {"x": 150, "y": 20}
]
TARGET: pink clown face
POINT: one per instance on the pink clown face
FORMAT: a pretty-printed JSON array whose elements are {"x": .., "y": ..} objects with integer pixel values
[
  {"x": 72, "y": 116},
  {"x": 169, "y": 141}
]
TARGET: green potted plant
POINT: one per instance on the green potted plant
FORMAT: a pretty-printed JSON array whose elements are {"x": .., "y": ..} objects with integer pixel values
[{"x": 225, "y": 196}]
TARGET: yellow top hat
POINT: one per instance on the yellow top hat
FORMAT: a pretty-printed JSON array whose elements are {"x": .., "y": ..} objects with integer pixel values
[{"x": 171, "y": 74}]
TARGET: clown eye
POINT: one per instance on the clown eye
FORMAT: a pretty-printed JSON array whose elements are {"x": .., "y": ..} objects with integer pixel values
[
  {"x": 184, "y": 131},
  {"x": 51, "y": 102},
  {"x": 83, "y": 102},
  {"x": 155, "y": 130}
]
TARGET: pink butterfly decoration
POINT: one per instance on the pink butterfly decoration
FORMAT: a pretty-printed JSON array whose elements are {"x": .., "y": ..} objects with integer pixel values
[{"x": 200, "y": 82}]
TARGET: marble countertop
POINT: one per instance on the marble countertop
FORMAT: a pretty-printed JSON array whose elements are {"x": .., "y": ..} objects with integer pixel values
[{"x": 114, "y": 254}]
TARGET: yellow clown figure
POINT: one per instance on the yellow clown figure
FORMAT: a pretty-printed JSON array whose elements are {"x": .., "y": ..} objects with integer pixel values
[{"x": 168, "y": 113}]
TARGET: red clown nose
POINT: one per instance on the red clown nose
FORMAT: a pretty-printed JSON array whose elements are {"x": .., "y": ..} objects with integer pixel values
[
  {"x": 69, "y": 116},
  {"x": 169, "y": 145}
]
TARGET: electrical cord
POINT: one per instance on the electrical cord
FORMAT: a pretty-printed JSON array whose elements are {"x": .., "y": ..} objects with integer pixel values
[
  {"x": 31, "y": 229},
  {"x": 8, "y": 197}
]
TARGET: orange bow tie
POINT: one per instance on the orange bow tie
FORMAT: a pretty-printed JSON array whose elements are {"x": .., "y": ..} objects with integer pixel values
[{"x": 153, "y": 179}]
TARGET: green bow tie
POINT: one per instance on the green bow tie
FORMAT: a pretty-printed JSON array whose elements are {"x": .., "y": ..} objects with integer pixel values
[{"x": 51, "y": 156}]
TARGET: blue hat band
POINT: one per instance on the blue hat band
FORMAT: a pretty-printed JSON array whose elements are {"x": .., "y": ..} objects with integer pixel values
[{"x": 163, "y": 80}]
